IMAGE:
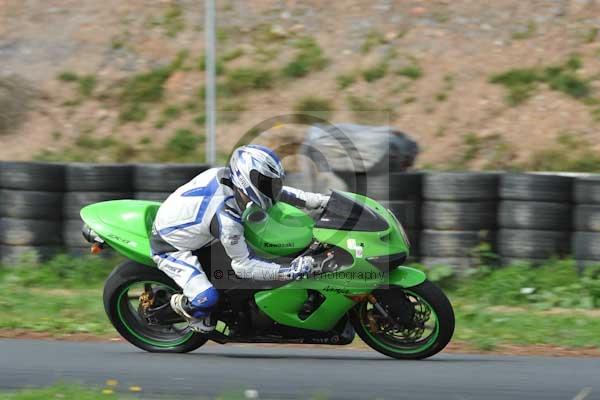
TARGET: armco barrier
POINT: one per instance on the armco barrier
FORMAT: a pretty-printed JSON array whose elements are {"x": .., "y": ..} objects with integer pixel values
[{"x": 524, "y": 216}]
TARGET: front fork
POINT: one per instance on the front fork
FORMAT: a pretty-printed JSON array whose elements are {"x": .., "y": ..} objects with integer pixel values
[
  {"x": 373, "y": 324},
  {"x": 377, "y": 306}
]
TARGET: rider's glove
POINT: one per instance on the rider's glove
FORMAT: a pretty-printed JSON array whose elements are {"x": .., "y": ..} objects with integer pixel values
[
  {"x": 300, "y": 268},
  {"x": 314, "y": 201},
  {"x": 324, "y": 201}
]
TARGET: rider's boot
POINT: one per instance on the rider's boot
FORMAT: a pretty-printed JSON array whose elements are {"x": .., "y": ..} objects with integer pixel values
[{"x": 200, "y": 321}]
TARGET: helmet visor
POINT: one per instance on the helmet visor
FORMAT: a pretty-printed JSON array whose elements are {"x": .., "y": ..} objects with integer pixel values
[{"x": 270, "y": 187}]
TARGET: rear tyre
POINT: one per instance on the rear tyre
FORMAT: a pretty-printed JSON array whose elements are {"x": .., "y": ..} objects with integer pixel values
[
  {"x": 426, "y": 322},
  {"x": 122, "y": 290}
]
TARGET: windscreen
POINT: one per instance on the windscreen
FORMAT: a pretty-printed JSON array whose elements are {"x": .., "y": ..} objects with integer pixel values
[{"x": 344, "y": 213}]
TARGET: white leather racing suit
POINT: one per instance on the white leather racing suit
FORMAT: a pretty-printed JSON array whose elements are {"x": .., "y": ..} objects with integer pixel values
[{"x": 200, "y": 212}]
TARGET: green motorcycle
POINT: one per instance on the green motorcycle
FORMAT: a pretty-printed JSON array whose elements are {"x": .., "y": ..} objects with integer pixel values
[{"x": 359, "y": 285}]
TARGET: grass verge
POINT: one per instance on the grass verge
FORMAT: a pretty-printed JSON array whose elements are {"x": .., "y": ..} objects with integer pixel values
[
  {"x": 112, "y": 390},
  {"x": 63, "y": 391},
  {"x": 550, "y": 305},
  {"x": 62, "y": 296}
]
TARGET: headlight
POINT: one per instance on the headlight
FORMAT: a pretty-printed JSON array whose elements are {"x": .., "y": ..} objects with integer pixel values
[{"x": 400, "y": 228}]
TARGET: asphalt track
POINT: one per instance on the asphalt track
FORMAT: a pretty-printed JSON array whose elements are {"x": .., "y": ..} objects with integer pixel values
[{"x": 296, "y": 373}]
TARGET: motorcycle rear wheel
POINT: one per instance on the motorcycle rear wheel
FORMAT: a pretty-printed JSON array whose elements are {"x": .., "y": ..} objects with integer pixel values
[
  {"x": 121, "y": 290},
  {"x": 431, "y": 312}
]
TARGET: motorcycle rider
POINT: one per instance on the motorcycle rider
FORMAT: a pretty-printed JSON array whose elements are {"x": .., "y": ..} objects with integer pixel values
[{"x": 209, "y": 208}]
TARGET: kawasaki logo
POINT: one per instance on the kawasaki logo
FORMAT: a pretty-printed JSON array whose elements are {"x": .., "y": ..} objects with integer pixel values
[{"x": 279, "y": 245}]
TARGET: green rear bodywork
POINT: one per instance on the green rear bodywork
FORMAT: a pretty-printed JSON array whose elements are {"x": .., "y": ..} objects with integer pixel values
[{"x": 125, "y": 226}]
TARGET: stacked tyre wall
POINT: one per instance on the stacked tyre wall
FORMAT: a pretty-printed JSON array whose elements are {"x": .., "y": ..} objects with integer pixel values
[
  {"x": 31, "y": 198},
  {"x": 459, "y": 213},
  {"x": 535, "y": 217},
  {"x": 87, "y": 184},
  {"x": 405, "y": 201},
  {"x": 40, "y": 202},
  {"x": 586, "y": 239},
  {"x": 156, "y": 182},
  {"x": 529, "y": 217}
]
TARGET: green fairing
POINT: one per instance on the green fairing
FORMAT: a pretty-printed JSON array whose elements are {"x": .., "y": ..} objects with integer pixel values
[
  {"x": 406, "y": 277},
  {"x": 282, "y": 304},
  {"x": 125, "y": 226}
]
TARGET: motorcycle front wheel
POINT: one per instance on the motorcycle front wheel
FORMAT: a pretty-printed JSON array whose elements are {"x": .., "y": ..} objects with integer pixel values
[{"x": 419, "y": 322}]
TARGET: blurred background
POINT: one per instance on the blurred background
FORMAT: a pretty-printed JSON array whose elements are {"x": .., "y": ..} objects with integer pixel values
[
  {"x": 508, "y": 86},
  {"x": 476, "y": 123}
]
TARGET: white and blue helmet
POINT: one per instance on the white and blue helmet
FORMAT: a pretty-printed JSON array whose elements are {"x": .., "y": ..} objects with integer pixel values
[{"x": 257, "y": 172}]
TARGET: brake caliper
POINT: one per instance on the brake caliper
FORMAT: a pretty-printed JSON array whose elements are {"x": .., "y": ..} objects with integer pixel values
[{"x": 146, "y": 301}]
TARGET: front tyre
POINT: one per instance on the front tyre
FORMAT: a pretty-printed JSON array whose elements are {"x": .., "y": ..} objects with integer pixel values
[
  {"x": 123, "y": 292},
  {"x": 420, "y": 321}
]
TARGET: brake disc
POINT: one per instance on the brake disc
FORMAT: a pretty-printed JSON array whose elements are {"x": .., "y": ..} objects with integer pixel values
[{"x": 397, "y": 305}]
